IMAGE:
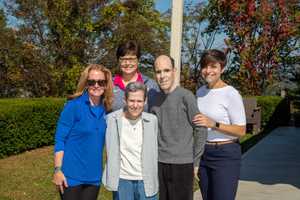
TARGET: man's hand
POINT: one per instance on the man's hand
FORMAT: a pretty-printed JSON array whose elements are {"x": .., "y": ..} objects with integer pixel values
[{"x": 202, "y": 120}]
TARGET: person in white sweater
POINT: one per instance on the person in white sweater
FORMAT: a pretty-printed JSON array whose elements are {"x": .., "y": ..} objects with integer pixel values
[{"x": 222, "y": 112}]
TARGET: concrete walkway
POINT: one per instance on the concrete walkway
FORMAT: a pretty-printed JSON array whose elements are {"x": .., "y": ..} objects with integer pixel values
[{"x": 271, "y": 169}]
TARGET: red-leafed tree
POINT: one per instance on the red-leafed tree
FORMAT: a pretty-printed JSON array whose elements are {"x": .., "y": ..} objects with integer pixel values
[{"x": 263, "y": 35}]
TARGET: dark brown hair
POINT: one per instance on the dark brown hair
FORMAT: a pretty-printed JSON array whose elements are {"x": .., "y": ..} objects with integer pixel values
[
  {"x": 129, "y": 47},
  {"x": 213, "y": 56}
]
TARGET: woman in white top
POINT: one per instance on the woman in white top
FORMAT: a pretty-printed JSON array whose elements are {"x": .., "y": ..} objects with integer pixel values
[{"x": 222, "y": 112}]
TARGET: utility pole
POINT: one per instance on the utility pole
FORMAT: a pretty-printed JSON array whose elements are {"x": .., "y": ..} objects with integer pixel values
[{"x": 176, "y": 35}]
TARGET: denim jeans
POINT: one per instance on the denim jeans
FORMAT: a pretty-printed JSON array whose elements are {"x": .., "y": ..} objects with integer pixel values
[{"x": 131, "y": 190}]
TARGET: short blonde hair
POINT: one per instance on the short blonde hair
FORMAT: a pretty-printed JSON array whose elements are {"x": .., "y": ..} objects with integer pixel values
[{"x": 107, "y": 98}]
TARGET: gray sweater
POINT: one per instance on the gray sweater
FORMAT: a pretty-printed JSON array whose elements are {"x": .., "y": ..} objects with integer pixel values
[{"x": 179, "y": 141}]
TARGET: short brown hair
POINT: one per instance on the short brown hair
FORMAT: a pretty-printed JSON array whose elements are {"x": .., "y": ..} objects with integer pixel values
[
  {"x": 129, "y": 47},
  {"x": 213, "y": 56}
]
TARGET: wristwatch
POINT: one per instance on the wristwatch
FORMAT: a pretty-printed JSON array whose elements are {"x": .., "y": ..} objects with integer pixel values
[{"x": 57, "y": 169}]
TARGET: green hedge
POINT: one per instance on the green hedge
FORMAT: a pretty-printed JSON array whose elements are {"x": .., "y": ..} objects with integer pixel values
[
  {"x": 30, "y": 123},
  {"x": 268, "y": 105},
  {"x": 275, "y": 111},
  {"x": 27, "y": 123}
]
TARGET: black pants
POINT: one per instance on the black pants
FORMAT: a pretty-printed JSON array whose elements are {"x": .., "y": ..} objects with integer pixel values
[
  {"x": 81, "y": 192},
  {"x": 175, "y": 181},
  {"x": 219, "y": 171}
]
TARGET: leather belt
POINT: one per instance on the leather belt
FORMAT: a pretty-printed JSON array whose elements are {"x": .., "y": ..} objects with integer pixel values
[{"x": 221, "y": 142}]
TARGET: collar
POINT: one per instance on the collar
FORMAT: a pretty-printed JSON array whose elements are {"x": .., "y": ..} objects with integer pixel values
[
  {"x": 85, "y": 97},
  {"x": 118, "y": 80},
  {"x": 119, "y": 114}
]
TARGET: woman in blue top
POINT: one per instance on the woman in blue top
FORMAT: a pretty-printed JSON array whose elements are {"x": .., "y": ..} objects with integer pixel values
[{"x": 80, "y": 136}]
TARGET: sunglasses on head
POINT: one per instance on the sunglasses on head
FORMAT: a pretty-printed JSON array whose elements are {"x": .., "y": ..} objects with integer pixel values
[{"x": 101, "y": 83}]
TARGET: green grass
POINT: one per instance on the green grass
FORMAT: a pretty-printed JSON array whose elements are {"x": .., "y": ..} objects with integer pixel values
[{"x": 28, "y": 176}]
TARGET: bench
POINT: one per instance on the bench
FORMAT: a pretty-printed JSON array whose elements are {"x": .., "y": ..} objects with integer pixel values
[{"x": 253, "y": 115}]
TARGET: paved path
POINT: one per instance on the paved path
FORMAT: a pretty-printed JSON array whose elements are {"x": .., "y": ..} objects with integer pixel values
[{"x": 271, "y": 169}]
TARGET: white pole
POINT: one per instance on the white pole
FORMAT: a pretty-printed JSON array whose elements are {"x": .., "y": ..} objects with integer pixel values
[{"x": 176, "y": 35}]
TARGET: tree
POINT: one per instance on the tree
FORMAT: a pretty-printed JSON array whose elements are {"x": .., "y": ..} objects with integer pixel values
[
  {"x": 197, "y": 37},
  {"x": 22, "y": 69},
  {"x": 263, "y": 35},
  {"x": 134, "y": 20},
  {"x": 3, "y": 54},
  {"x": 60, "y": 37}
]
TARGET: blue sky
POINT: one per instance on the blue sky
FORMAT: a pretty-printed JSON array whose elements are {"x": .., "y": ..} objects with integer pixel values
[{"x": 162, "y": 5}]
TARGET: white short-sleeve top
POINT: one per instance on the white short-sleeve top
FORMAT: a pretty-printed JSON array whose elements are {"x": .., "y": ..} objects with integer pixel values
[{"x": 223, "y": 105}]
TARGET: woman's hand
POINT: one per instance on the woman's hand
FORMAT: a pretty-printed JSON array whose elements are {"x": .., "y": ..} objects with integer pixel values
[
  {"x": 202, "y": 120},
  {"x": 60, "y": 181}
]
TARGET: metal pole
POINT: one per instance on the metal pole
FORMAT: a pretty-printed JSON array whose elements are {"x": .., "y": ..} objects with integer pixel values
[{"x": 176, "y": 35}]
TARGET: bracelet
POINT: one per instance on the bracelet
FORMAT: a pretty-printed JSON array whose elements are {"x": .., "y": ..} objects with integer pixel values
[{"x": 57, "y": 169}]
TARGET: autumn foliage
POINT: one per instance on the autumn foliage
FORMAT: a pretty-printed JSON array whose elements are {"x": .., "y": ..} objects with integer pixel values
[{"x": 262, "y": 34}]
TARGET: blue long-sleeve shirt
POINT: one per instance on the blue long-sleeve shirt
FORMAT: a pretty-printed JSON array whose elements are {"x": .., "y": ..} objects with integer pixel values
[{"x": 80, "y": 133}]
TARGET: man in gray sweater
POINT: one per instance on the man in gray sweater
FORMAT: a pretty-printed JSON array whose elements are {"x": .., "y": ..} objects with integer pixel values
[{"x": 180, "y": 142}]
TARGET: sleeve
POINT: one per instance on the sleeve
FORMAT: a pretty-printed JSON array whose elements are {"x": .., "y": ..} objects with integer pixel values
[
  {"x": 153, "y": 85},
  {"x": 236, "y": 110},
  {"x": 64, "y": 125},
  {"x": 200, "y": 133},
  {"x": 156, "y": 129},
  {"x": 200, "y": 136}
]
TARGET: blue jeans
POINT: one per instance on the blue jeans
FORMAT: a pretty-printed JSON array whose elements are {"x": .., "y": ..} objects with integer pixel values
[{"x": 131, "y": 190}]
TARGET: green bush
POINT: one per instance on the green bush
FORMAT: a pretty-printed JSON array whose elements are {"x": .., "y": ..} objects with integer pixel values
[
  {"x": 268, "y": 106},
  {"x": 27, "y": 123},
  {"x": 275, "y": 111},
  {"x": 30, "y": 123}
]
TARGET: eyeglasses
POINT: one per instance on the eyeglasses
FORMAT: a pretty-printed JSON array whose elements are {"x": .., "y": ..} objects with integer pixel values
[
  {"x": 128, "y": 59},
  {"x": 101, "y": 83}
]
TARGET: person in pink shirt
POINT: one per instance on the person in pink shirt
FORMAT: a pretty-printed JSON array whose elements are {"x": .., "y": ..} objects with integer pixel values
[{"x": 128, "y": 55}]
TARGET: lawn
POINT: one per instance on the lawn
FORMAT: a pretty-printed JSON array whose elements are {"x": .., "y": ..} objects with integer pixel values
[{"x": 28, "y": 176}]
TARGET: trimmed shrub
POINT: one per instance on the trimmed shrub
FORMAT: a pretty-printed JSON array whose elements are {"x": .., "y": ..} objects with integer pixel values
[
  {"x": 268, "y": 105},
  {"x": 30, "y": 123},
  {"x": 275, "y": 112},
  {"x": 27, "y": 123}
]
